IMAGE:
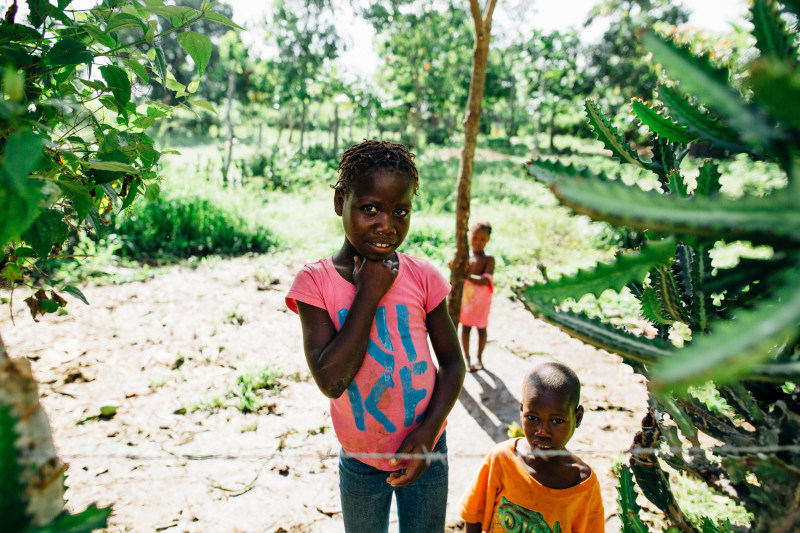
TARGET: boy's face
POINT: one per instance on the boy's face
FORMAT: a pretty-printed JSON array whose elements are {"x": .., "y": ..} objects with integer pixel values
[
  {"x": 548, "y": 419},
  {"x": 478, "y": 240},
  {"x": 376, "y": 213}
]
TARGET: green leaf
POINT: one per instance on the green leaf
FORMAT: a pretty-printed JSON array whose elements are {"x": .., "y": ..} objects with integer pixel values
[
  {"x": 181, "y": 12},
  {"x": 151, "y": 192},
  {"x": 12, "y": 272},
  {"x": 76, "y": 292},
  {"x": 12, "y": 506},
  {"x": 113, "y": 166},
  {"x": 772, "y": 39},
  {"x": 124, "y": 20},
  {"x": 137, "y": 68},
  {"x": 660, "y": 124},
  {"x": 700, "y": 122},
  {"x": 99, "y": 35},
  {"x": 68, "y": 51},
  {"x": 609, "y": 135},
  {"x": 117, "y": 80},
  {"x": 19, "y": 194},
  {"x": 733, "y": 347},
  {"x": 709, "y": 84},
  {"x": 203, "y": 104},
  {"x": 161, "y": 64},
  {"x": 78, "y": 195},
  {"x": 222, "y": 19},
  {"x": 198, "y": 46},
  {"x": 24, "y": 251},
  {"x": 92, "y": 519},
  {"x": 622, "y": 205},
  {"x": 614, "y": 276},
  {"x": 44, "y": 232},
  {"x": 599, "y": 334}
]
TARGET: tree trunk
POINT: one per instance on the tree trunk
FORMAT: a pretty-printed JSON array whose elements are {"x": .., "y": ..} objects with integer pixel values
[
  {"x": 512, "y": 108},
  {"x": 370, "y": 110},
  {"x": 229, "y": 123},
  {"x": 335, "y": 128},
  {"x": 303, "y": 125},
  {"x": 41, "y": 472},
  {"x": 480, "y": 60}
]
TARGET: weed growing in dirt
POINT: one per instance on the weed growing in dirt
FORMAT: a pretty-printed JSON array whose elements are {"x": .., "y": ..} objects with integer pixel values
[{"x": 250, "y": 384}]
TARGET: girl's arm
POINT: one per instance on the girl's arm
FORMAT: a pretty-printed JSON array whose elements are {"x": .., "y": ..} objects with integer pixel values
[
  {"x": 478, "y": 279},
  {"x": 334, "y": 358},
  {"x": 445, "y": 393}
]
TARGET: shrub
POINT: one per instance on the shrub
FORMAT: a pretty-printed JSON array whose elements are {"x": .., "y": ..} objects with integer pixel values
[{"x": 180, "y": 225}]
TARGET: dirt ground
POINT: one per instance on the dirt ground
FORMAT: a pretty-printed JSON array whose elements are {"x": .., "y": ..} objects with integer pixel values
[{"x": 161, "y": 346}]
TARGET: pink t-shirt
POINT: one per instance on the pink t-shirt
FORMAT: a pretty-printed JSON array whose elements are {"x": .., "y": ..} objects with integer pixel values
[{"x": 388, "y": 397}]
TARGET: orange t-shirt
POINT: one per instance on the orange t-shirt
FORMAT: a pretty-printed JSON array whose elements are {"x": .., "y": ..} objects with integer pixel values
[{"x": 505, "y": 498}]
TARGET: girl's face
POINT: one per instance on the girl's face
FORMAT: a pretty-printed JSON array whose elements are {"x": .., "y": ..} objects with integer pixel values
[
  {"x": 478, "y": 240},
  {"x": 376, "y": 213}
]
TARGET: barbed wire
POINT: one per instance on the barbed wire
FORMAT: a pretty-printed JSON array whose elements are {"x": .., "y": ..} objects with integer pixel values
[{"x": 430, "y": 456}]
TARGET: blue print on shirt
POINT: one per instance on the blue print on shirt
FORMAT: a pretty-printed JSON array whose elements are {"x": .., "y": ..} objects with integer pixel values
[{"x": 385, "y": 357}]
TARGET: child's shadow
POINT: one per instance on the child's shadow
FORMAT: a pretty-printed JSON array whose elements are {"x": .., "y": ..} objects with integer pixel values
[{"x": 495, "y": 399}]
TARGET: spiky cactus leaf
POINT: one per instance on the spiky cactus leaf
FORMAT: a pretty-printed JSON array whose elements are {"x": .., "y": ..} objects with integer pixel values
[
  {"x": 708, "y": 179},
  {"x": 12, "y": 507},
  {"x": 733, "y": 347},
  {"x": 91, "y": 519},
  {"x": 700, "y": 122},
  {"x": 622, "y": 205},
  {"x": 709, "y": 84},
  {"x": 668, "y": 293},
  {"x": 660, "y": 124},
  {"x": 651, "y": 308},
  {"x": 548, "y": 172},
  {"x": 682, "y": 269},
  {"x": 664, "y": 161},
  {"x": 702, "y": 307},
  {"x": 769, "y": 29},
  {"x": 615, "y": 275},
  {"x": 676, "y": 183},
  {"x": 609, "y": 135},
  {"x": 599, "y": 334},
  {"x": 774, "y": 84},
  {"x": 626, "y": 498}
]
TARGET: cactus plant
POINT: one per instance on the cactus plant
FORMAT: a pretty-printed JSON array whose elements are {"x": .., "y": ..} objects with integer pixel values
[
  {"x": 745, "y": 319},
  {"x": 31, "y": 475}
]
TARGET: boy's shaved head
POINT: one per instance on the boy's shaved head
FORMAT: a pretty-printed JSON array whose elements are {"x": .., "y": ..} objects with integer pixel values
[{"x": 555, "y": 377}]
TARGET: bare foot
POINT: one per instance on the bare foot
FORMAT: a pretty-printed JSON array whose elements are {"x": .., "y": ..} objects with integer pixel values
[
  {"x": 472, "y": 368},
  {"x": 478, "y": 366}
]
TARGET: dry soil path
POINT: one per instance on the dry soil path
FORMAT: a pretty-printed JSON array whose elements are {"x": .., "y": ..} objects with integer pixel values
[{"x": 182, "y": 338}]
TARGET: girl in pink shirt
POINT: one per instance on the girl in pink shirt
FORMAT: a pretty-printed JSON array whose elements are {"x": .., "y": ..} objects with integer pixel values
[{"x": 367, "y": 313}]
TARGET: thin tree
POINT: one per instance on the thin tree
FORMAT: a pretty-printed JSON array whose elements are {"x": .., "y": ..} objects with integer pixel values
[{"x": 480, "y": 61}]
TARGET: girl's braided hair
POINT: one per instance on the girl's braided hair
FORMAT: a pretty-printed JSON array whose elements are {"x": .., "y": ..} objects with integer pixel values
[{"x": 367, "y": 156}]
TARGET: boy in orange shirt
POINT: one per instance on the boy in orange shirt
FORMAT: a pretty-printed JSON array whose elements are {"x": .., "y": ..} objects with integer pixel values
[{"x": 520, "y": 486}]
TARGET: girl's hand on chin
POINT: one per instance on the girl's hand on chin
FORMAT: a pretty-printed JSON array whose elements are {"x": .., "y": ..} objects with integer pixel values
[{"x": 376, "y": 277}]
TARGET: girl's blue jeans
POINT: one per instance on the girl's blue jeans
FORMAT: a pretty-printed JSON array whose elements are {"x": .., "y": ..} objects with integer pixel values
[{"x": 367, "y": 497}]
